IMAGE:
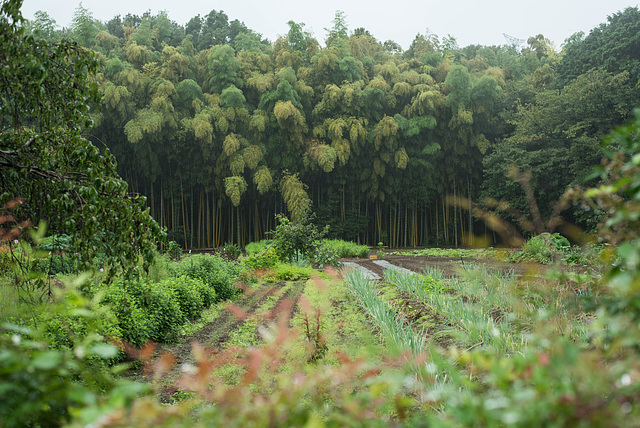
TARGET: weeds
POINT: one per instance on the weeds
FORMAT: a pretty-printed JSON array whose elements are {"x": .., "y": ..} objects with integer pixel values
[
  {"x": 315, "y": 337},
  {"x": 346, "y": 249}
]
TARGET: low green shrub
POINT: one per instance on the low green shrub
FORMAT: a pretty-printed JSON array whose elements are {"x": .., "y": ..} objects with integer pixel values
[
  {"x": 346, "y": 249},
  {"x": 233, "y": 250},
  {"x": 256, "y": 247},
  {"x": 45, "y": 386},
  {"x": 57, "y": 264},
  {"x": 60, "y": 328},
  {"x": 56, "y": 243},
  {"x": 133, "y": 321},
  {"x": 544, "y": 248},
  {"x": 211, "y": 269},
  {"x": 165, "y": 313},
  {"x": 193, "y": 295},
  {"x": 288, "y": 272},
  {"x": 325, "y": 256},
  {"x": 547, "y": 248},
  {"x": 295, "y": 240},
  {"x": 160, "y": 303},
  {"x": 263, "y": 259}
]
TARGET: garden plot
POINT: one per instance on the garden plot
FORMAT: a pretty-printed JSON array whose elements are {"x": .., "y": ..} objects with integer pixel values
[
  {"x": 368, "y": 273},
  {"x": 353, "y": 266},
  {"x": 386, "y": 265}
]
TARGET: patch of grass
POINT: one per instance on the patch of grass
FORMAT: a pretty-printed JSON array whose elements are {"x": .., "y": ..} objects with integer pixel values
[
  {"x": 288, "y": 272},
  {"x": 246, "y": 334},
  {"x": 343, "y": 327},
  {"x": 346, "y": 249},
  {"x": 476, "y": 253},
  {"x": 207, "y": 316}
]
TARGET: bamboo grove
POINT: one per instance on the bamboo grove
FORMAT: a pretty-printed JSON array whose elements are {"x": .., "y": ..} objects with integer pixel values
[{"x": 221, "y": 130}]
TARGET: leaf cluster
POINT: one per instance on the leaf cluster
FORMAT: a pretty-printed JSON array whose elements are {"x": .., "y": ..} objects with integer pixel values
[{"x": 295, "y": 240}]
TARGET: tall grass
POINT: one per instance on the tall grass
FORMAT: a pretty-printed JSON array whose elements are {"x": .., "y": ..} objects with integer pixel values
[
  {"x": 493, "y": 309},
  {"x": 347, "y": 249},
  {"x": 395, "y": 330},
  {"x": 475, "y": 309}
]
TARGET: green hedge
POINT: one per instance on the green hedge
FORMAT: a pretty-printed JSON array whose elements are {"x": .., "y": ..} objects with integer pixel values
[
  {"x": 264, "y": 259},
  {"x": 153, "y": 310},
  {"x": 212, "y": 270},
  {"x": 133, "y": 321},
  {"x": 148, "y": 310},
  {"x": 193, "y": 295}
]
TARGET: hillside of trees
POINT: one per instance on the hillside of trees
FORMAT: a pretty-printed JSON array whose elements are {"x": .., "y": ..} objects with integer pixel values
[{"x": 221, "y": 129}]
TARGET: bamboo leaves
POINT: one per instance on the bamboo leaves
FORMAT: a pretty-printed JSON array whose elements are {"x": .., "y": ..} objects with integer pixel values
[
  {"x": 252, "y": 155},
  {"x": 263, "y": 179},
  {"x": 231, "y": 144},
  {"x": 234, "y": 188},
  {"x": 290, "y": 120},
  {"x": 325, "y": 156},
  {"x": 401, "y": 158},
  {"x": 386, "y": 133},
  {"x": 295, "y": 196},
  {"x": 146, "y": 121}
]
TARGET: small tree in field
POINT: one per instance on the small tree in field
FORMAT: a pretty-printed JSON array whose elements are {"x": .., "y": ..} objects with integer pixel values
[{"x": 293, "y": 239}]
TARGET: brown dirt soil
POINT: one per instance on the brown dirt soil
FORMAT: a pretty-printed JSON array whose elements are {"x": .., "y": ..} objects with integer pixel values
[{"x": 215, "y": 334}]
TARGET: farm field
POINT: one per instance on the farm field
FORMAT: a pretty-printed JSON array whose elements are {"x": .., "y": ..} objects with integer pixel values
[
  {"x": 450, "y": 266},
  {"x": 325, "y": 321}
]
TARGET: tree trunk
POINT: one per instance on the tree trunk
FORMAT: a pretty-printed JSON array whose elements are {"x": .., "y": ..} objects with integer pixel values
[{"x": 184, "y": 218}]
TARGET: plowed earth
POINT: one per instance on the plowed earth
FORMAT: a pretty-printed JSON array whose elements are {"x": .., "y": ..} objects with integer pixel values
[
  {"x": 451, "y": 266},
  {"x": 214, "y": 335}
]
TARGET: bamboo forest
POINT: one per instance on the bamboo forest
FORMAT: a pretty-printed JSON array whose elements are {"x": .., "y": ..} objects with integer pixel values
[{"x": 220, "y": 130}]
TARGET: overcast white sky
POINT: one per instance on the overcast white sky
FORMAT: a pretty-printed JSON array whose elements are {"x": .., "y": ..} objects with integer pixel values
[{"x": 469, "y": 21}]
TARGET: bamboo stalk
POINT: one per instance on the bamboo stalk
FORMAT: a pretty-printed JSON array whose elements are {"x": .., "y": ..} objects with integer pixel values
[{"x": 184, "y": 221}]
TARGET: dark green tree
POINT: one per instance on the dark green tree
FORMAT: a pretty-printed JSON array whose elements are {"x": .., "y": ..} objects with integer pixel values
[
  {"x": 83, "y": 27},
  {"x": 46, "y": 91},
  {"x": 613, "y": 46}
]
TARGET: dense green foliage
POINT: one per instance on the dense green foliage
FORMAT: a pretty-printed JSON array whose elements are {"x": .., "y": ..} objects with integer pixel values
[
  {"x": 508, "y": 351},
  {"x": 294, "y": 241},
  {"x": 46, "y": 93},
  {"x": 487, "y": 349},
  {"x": 210, "y": 123},
  {"x": 347, "y": 249},
  {"x": 212, "y": 270},
  {"x": 46, "y": 379}
]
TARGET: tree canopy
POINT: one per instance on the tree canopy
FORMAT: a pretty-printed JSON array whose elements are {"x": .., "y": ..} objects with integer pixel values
[
  {"x": 221, "y": 129},
  {"x": 46, "y": 92}
]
